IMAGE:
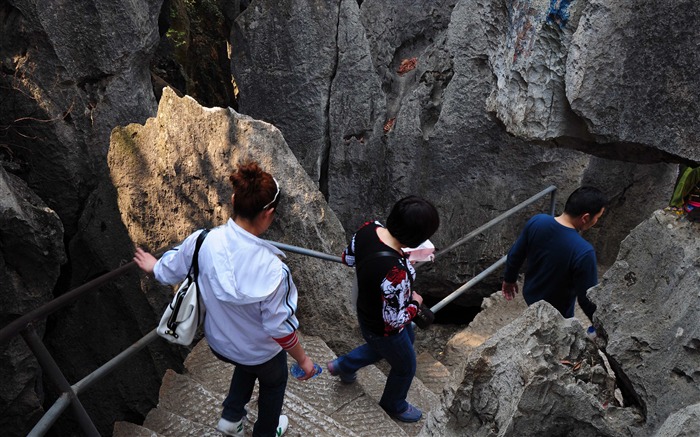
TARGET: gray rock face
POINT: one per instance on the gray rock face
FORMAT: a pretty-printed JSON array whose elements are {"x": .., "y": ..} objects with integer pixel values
[
  {"x": 31, "y": 255},
  {"x": 648, "y": 307},
  {"x": 171, "y": 177},
  {"x": 480, "y": 123},
  {"x": 530, "y": 66},
  {"x": 32, "y": 249},
  {"x": 536, "y": 376},
  {"x": 283, "y": 59},
  {"x": 73, "y": 71},
  {"x": 684, "y": 423},
  {"x": 630, "y": 76}
]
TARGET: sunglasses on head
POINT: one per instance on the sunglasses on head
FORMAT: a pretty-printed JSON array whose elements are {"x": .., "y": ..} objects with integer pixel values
[{"x": 276, "y": 195}]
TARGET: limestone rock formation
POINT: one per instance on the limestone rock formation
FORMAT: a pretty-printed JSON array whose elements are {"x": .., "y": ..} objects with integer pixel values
[
  {"x": 474, "y": 104},
  {"x": 538, "y": 375},
  {"x": 462, "y": 102},
  {"x": 70, "y": 73},
  {"x": 648, "y": 308},
  {"x": 171, "y": 176},
  {"x": 629, "y": 76},
  {"x": 684, "y": 423},
  {"x": 283, "y": 57},
  {"x": 31, "y": 254}
]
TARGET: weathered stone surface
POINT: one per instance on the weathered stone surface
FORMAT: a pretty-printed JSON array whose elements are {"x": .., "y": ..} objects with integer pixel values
[
  {"x": 632, "y": 76},
  {"x": 171, "y": 177},
  {"x": 634, "y": 190},
  {"x": 536, "y": 376},
  {"x": 190, "y": 33},
  {"x": 648, "y": 307},
  {"x": 31, "y": 254},
  {"x": 32, "y": 247},
  {"x": 684, "y": 423},
  {"x": 283, "y": 58},
  {"x": 71, "y": 72},
  {"x": 445, "y": 138},
  {"x": 529, "y": 64}
]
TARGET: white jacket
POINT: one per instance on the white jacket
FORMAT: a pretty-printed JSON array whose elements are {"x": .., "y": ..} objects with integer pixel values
[{"x": 247, "y": 290}]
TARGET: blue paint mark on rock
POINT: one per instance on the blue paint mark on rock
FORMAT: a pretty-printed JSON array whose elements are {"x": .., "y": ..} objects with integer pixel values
[{"x": 558, "y": 12}]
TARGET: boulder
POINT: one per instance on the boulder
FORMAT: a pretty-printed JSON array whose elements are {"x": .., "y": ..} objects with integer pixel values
[
  {"x": 538, "y": 375},
  {"x": 171, "y": 177},
  {"x": 648, "y": 307},
  {"x": 31, "y": 255}
]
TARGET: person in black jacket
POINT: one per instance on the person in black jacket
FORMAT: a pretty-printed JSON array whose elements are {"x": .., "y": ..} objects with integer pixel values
[{"x": 386, "y": 303}]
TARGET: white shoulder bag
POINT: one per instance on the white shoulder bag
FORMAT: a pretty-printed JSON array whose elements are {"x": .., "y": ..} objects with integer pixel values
[{"x": 185, "y": 313}]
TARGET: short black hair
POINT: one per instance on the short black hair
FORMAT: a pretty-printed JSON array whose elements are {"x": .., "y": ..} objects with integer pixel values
[
  {"x": 412, "y": 220},
  {"x": 585, "y": 200}
]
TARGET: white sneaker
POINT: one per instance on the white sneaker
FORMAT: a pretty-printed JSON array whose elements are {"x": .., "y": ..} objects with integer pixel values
[
  {"x": 282, "y": 425},
  {"x": 231, "y": 429}
]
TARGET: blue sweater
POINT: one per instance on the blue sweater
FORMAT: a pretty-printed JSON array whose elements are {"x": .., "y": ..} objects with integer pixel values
[{"x": 561, "y": 265}]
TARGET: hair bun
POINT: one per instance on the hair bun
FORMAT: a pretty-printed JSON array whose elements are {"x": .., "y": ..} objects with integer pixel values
[{"x": 247, "y": 177}]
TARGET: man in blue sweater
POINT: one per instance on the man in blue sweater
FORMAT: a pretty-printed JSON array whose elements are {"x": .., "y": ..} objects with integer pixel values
[{"x": 561, "y": 265}]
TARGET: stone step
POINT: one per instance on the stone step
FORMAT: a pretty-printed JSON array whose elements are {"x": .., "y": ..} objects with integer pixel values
[
  {"x": 190, "y": 404},
  {"x": 186, "y": 397},
  {"x": 171, "y": 425},
  {"x": 348, "y": 404},
  {"x": 126, "y": 429},
  {"x": 339, "y": 409},
  {"x": 372, "y": 381},
  {"x": 432, "y": 373}
]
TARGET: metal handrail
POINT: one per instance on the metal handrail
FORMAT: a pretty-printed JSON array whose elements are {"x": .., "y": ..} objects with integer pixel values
[
  {"x": 480, "y": 230},
  {"x": 24, "y": 325},
  {"x": 307, "y": 252},
  {"x": 478, "y": 278}
]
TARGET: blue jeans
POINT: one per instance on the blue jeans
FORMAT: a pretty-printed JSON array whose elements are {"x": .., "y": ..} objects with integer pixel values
[
  {"x": 398, "y": 351},
  {"x": 272, "y": 380}
]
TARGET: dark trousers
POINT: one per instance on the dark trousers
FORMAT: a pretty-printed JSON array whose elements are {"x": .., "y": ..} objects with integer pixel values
[
  {"x": 272, "y": 380},
  {"x": 399, "y": 353}
]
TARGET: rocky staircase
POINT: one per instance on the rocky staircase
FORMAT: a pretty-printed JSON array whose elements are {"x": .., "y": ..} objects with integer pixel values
[{"x": 190, "y": 403}]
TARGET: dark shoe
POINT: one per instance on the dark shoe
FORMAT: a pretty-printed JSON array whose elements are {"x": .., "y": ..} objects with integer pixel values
[
  {"x": 345, "y": 378},
  {"x": 412, "y": 414}
]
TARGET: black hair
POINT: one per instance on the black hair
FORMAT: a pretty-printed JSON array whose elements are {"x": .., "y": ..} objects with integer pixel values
[
  {"x": 412, "y": 220},
  {"x": 585, "y": 200}
]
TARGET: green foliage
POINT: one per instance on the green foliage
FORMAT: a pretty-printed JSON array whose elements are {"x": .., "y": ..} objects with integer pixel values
[{"x": 178, "y": 37}]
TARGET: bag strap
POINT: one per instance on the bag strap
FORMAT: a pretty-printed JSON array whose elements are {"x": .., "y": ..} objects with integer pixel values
[
  {"x": 386, "y": 253},
  {"x": 194, "y": 268},
  {"x": 380, "y": 254}
]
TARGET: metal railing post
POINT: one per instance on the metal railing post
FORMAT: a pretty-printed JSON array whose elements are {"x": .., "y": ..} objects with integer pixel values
[{"x": 54, "y": 373}]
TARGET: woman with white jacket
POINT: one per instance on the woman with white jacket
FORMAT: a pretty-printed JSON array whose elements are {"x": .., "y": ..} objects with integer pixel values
[{"x": 250, "y": 301}]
